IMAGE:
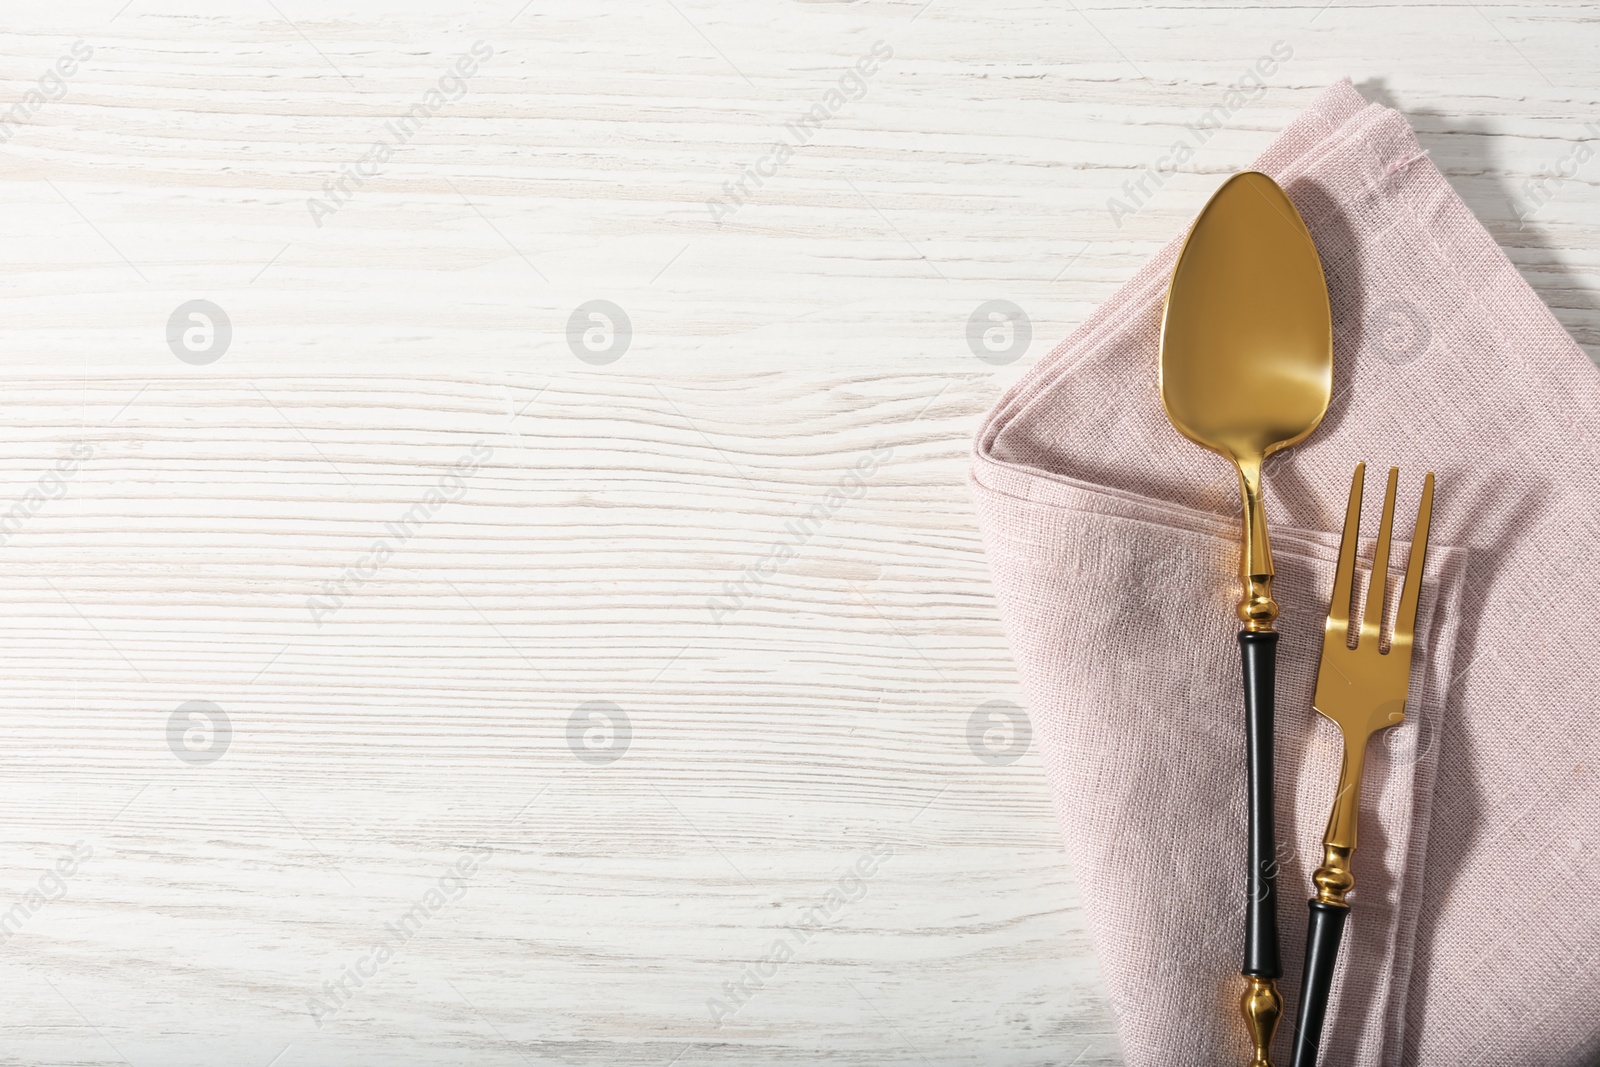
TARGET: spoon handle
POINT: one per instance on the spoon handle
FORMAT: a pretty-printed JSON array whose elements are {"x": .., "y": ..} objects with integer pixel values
[{"x": 1262, "y": 962}]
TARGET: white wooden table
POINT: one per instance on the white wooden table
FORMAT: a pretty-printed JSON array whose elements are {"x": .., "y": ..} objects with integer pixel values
[{"x": 512, "y": 771}]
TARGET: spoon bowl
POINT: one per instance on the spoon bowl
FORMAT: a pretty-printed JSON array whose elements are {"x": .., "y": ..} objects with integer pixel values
[{"x": 1247, "y": 348}]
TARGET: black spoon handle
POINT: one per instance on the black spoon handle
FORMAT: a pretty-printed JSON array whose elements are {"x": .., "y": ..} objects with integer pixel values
[
  {"x": 1259, "y": 652},
  {"x": 1261, "y": 1004},
  {"x": 1323, "y": 934}
]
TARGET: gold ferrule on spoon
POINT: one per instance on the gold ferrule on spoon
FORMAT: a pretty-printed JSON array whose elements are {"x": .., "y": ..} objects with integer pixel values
[
  {"x": 1256, "y": 609},
  {"x": 1262, "y": 1009}
]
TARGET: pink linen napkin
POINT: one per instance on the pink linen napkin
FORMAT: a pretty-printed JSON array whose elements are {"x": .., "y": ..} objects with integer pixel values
[{"x": 1474, "y": 937}]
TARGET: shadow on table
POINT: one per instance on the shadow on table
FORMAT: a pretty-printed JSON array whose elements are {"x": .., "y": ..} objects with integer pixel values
[{"x": 1467, "y": 152}]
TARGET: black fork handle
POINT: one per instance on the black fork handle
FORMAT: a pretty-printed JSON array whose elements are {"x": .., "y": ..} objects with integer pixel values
[
  {"x": 1323, "y": 934},
  {"x": 1259, "y": 653}
]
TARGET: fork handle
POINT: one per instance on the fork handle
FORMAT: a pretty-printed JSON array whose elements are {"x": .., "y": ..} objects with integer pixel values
[
  {"x": 1259, "y": 653},
  {"x": 1323, "y": 934}
]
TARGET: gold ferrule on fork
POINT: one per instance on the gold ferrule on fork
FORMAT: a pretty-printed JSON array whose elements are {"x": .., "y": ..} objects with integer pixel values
[{"x": 1334, "y": 878}]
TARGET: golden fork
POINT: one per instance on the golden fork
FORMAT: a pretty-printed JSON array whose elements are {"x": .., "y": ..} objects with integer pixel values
[{"x": 1363, "y": 690}]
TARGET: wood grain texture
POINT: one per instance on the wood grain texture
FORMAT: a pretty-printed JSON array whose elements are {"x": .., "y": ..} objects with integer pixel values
[{"x": 180, "y": 522}]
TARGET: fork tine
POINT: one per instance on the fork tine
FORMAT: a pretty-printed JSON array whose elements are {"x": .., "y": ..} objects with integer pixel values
[
  {"x": 1344, "y": 573},
  {"x": 1405, "y": 619},
  {"x": 1378, "y": 584}
]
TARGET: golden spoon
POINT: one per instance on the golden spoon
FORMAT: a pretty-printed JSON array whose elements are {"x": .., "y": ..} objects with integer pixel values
[{"x": 1247, "y": 369}]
